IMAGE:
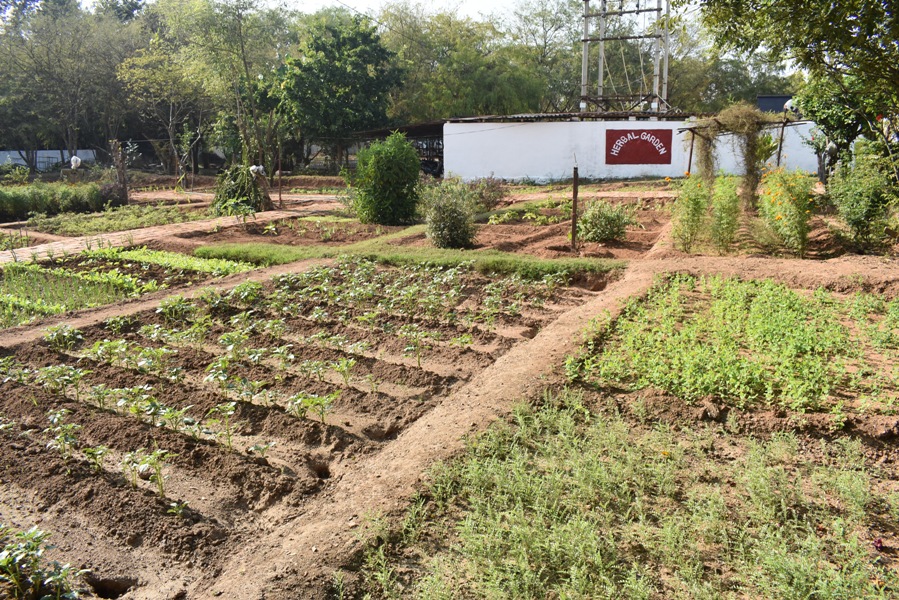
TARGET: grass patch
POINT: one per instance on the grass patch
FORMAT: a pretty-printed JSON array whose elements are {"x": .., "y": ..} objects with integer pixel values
[
  {"x": 565, "y": 502},
  {"x": 121, "y": 218},
  {"x": 749, "y": 343},
  {"x": 380, "y": 250}
]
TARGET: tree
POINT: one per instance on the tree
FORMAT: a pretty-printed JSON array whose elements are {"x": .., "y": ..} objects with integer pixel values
[
  {"x": 340, "y": 80},
  {"x": 234, "y": 48},
  {"x": 455, "y": 67},
  {"x": 159, "y": 85},
  {"x": 63, "y": 63},
  {"x": 852, "y": 45},
  {"x": 547, "y": 35}
]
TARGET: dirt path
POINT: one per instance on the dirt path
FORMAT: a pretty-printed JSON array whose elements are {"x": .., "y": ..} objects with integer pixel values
[
  {"x": 305, "y": 550},
  {"x": 311, "y": 206}
]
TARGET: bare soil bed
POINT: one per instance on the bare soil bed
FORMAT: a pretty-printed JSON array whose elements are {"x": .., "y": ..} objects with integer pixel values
[
  {"x": 293, "y": 232},
  {"x": 554, "y": 240}
]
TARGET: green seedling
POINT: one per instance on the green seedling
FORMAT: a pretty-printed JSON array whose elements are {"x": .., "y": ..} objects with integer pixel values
[
  {"x": 95, "y": 456},
  {"x": 222, "y": 415},
  {"x": 344, "y": 366},
  {"x": 63, "y": 338},
  {"x": 155, "y": 462},
  {"x": 64, "y": 434},
  {"x": 261, "y": 448},
  {"x": 176, "y": 309},
  {"x": 178, "y": 509},
  {"x": 119, "y": 324}
]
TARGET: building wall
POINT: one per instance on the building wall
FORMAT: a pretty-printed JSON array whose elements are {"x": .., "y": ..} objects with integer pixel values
[{"x": 549, "y": 150}]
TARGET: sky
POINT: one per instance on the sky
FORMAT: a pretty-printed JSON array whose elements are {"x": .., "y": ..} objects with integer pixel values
[{"x": 465, "y": 8}]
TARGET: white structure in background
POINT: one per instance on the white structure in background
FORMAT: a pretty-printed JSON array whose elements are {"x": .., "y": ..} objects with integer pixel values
[
  {"x": 46, "y": 158},
  {"x": 547, "y": 151}
]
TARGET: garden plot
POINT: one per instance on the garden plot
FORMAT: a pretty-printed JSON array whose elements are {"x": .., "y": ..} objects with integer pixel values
[
  {"x": 716, "y": 437},
  {"x": 154, "y": 445},
  {"x": 29, "y": 291},
  {"x": 543, "y": 229},
  {"x": 752, "y": 344}
]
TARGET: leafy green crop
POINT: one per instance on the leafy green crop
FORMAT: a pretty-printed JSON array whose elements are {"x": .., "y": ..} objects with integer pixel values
[
  {"x": 741, "y": 342},
  {"x": 171, "y": 260}
]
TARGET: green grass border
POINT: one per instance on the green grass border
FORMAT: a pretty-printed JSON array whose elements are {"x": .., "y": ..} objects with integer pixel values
[{"x": 380, "y": 250}]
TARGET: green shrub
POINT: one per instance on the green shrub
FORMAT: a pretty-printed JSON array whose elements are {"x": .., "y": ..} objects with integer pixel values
[
  {"x": 862, "y": 193},
  {"x": 690, "y": 210},
  {"x": 237, "y": 194},
  {"x": 605, "y": 222},
  {"x": 387, "y": 182},
  {"x": 17, "y": 202},
  {"x": 449, "y": 209},
  {"x": 725, "y": 212},
  {"x": 786, "y": 206},
  {"x": 490, "y": 191}
]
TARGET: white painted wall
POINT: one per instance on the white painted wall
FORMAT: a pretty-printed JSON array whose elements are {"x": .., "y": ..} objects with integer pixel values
[
  {"x": 548, "y": 151},
  {"x": 45, "y": 158}
]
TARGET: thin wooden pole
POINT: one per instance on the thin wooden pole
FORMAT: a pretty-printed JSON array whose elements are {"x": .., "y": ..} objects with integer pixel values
[
  {"x": 780, "y": 141},
  {"x": 574, "y": 211},
  {"x": 280, "y": 199},
  {"x": 692, "y": 141}
]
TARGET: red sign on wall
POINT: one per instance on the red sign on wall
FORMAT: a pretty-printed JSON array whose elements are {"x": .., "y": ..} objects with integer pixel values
[{"x": 638, "y": 146}]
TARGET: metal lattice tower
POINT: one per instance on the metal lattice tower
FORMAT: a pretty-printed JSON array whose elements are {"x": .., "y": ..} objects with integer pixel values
[{"x": 654, "y": 97}]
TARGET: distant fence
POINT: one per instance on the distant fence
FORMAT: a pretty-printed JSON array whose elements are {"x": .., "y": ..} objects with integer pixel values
[{"x": 45, "y": 158}]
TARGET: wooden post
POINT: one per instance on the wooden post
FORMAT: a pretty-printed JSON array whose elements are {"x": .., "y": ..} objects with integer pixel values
[
  {"x": 574, "y": 211},
  {"x": 780, "y": 142},
  {"x": 280, "y": 199},
  {"x": 118, "y": 159},
  {"x": 692, "y": 141}
]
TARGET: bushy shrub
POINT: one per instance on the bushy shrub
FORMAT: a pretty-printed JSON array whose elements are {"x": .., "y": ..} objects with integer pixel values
[
  {"x": 490, "y": 191},
  {"x": 17, "y": 202},
  {"x": 449, "y": 209},
  {"x": 237, "y": 193},
  {"x": 725, "y": 212},
  {"x": 605, "y": 222},
  {"x": 690, "y": 211},
  {"x": 862, "y": 193},
  {"x": 386, "y": 181},
  {"x": 786, "y": 206}
]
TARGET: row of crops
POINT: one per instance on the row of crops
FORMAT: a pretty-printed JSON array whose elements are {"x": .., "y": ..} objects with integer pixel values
[
  {"x": 203, "y": 412},
  {"x": 96, "y": 277}
]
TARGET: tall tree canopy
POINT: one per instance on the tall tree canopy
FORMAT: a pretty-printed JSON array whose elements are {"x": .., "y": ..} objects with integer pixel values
[
  {"x": 850, "y": 48},
  {"x": 339, "y": 80}
]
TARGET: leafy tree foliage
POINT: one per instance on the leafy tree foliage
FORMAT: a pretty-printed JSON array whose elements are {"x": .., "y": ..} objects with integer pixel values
[
  {"x": 339, "y": 81},
  {"x": 850, "y": 49}
]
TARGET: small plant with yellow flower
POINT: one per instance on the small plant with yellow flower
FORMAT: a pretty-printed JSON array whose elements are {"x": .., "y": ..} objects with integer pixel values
[{"x": 786, "y": 205}]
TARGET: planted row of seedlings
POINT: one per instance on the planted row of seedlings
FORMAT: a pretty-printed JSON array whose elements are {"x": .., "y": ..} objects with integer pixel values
[
  {"x": 29, "y": 291},
  {"x": 201, "y": 415}
]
